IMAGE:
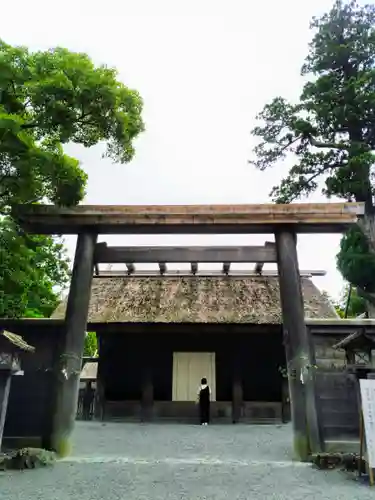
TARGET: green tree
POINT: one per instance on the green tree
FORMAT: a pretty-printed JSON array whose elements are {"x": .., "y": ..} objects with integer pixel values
[
  {"x": 91, "y": 345},
  {"x": 330, "y": 131},
  {"x": 354, "y": 305},
  {"x": 48, "y": 99},
  {"x": 31, "y": 268}
]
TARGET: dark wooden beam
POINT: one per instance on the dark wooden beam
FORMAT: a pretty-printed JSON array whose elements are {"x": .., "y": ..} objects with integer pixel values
[
  {"x": 329, "y": 328},
  {"x": 147, "y": 397},
  {"x": 162, "y": 267},
  {"x": 117, "y": 255},
  {"x": 237, "y": 389},
  {"x": 130, "y": 267},
  {"x": 258, "y": 267},
  {"x": 299, "y": 358},
  {"x": 99, "y": 405},
  {"x": 202, "y": 273},
  {"x": 70, "y": 351},
  {"x": 188, "y": 219},
  {"x": 226, "y": 267},
  {"x": 339, "y": 327}
]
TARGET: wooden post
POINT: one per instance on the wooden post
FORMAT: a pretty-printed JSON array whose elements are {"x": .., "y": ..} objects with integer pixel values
[
  {"x": 298, "y": 353},
  {"x": 99, "y": 405},
  {"x": 313, "y": 407},
  {"x": 69, "y": 362},
  {"x": 237, "y": 393},
  {"x": 5, "y": 379},
  {"x": 285, "y": 402},
  {"x": 147, "y": 395},
  {"x": 237, "y": 400}
]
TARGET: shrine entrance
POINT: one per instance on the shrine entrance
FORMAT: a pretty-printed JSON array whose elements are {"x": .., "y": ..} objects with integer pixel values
[
  {"x": 188, "y": 369},
  {"x": 283, "y": 221}
]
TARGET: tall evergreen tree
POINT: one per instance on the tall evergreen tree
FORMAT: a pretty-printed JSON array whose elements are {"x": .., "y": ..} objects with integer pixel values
[{"x": 330, "y": 131}]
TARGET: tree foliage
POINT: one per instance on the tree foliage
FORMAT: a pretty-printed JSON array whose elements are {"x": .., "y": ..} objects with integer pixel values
[
  {"x": 356, "y": 261},
  {"x": 31, "y": 267},
  {"x": 48, "y": 99},
  {"x": 354, "y": 305},
  {"x": 91, "y": 345},
  {"x": 330, "y": 132}
]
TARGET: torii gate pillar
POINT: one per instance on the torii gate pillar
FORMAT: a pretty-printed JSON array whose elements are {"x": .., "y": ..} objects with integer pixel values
[
  {"x": 299, "y": 351},
  {"x": 69, "y": 358}
]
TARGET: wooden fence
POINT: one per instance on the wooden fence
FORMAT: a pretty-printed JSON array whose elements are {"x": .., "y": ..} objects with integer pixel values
[{"x": 337, "y": 405}]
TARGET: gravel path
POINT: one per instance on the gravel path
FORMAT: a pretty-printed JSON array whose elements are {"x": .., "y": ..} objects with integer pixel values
[{"x": 152, "y": 462}]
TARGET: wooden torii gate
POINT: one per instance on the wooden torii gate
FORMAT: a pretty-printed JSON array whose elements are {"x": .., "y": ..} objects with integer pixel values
[{"x": 284, "y": 221}]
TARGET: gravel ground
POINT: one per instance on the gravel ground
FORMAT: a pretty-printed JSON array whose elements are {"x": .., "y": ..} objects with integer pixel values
[{"x": 154, "y": 462}]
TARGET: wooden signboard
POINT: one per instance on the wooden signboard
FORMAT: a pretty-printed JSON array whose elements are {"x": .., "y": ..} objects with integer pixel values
[{"x": 367, "y": 437}]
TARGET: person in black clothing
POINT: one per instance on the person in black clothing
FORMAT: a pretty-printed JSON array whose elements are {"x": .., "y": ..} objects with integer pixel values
[{"x": 204, "y": 402}]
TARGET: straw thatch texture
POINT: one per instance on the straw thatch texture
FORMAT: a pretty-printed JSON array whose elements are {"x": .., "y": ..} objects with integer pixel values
[{"x": 195, "y": 300}]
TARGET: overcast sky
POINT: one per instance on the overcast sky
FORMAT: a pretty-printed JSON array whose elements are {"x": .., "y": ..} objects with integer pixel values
[{"x": 204, "y": 69}]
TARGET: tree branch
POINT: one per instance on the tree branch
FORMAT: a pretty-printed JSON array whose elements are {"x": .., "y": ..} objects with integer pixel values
[
  {"x": 14, "y": 87},
  {"x": 311, "y": 178},
  {"x": 279, "y": 148},
  {"x": 306, "y": 183},
  {"x": 290, "y": 143},
  {"x": 29, "y": 125},
  {"x": 328, "y": 145},
  {"x": 323, "y": 169}
]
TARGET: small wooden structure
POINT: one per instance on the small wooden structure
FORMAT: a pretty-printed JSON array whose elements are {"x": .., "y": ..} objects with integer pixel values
[
  {"x": 10, "y": 345},
  {"x": 284, "y": 221},
  {"x": 358, "y": 348}
]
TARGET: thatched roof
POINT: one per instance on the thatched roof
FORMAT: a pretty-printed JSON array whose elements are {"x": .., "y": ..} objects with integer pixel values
[{"x": 195, "y": 300}]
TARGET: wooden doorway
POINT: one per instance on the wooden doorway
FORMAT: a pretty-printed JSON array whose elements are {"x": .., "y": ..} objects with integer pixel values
[{"x": 188, "y": 369}]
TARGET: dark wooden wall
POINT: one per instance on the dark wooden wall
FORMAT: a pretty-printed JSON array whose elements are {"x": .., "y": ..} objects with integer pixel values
[
  {"x": 338, "y": 405},
  {"x": 336, "y": 390},
  {"x": 30, "y": 394},
  {"x": 126, "y": 350},
  {"x": 127, "y": 356}
]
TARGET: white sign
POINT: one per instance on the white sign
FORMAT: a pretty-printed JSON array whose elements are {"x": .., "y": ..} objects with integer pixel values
[{"x": 368, "y": 407}]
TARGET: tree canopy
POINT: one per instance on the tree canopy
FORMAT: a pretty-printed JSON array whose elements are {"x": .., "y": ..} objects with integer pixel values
[
  {"x": 329, "y": 134},
  {"x": 50, "y": 98},
  {"x": 47, "y": 100}
]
